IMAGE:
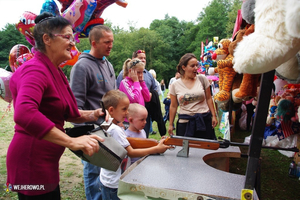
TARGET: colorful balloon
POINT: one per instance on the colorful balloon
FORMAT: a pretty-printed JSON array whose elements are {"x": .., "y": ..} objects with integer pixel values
[
  {"x": 87, "y": 15},
  {"x": 102, "y": 4},
  {"x": 75, "y": 12},
  {"x": 26, "y": 25},
  {"x": 75, "y": 54},
  {"x": 51, "y": 7},
  {"x": 23, "y": 58},
  {"x": 65, "y": 4},
  {"x": 85, "y": 32},
  {"x": 5, "y": 93},
  {"x": 15, "y": 52}
]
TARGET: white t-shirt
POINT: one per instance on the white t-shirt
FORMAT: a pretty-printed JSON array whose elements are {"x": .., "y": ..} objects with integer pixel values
[
  {"x": 107, "y": 177},
  {"x": 191, "y": 101},
  {"x": 141, "y": 134}
]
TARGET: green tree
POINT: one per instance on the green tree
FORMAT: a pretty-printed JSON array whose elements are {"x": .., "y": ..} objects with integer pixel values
[
  {"x": 172, "y": 32},
  {"x": 212, "y": 22},
  {"x": 232, "y": 14},
  {"x": 9, "y": 37}
]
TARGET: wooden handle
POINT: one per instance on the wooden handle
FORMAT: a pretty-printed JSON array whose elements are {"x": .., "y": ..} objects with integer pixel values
[
  {"x": 139, "y": 143},
  {"x": 193, "y": 143}
]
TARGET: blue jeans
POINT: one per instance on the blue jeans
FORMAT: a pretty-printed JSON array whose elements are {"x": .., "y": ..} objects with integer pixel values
[
  {"x": 91, "y": 181},
  {"x": 109, "y": 193},
  {"x": 151, "y": 130}
]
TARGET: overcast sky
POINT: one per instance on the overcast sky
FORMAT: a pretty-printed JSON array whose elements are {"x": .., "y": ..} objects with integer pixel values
[{"x": 139, "y": 12}]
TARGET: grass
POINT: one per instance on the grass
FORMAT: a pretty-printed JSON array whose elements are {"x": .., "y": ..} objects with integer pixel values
[{"x": 275, "y": 182}]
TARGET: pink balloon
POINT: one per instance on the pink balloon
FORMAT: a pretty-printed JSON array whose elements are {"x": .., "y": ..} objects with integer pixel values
[
  {"x": 15, "y": 52},
  {"x": 75, "y": 12},
  {"x": 5, "y": 93},
  {"x": 23, "y": 58}
]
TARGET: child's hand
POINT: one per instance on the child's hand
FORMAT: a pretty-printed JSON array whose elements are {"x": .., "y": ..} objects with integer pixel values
[
  {"x": 133, "y": 75},
  {"x": 161, "y": 147}
]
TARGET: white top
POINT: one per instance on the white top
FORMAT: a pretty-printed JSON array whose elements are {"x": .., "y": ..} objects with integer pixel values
[
  {"x": 107, "y": 177},
  {"x": 141, "y": 134},
  {"x": 193, "y": 100}
]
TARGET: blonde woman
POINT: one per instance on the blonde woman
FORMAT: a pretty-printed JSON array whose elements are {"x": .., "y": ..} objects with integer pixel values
[{"x": 133, "y": 84}]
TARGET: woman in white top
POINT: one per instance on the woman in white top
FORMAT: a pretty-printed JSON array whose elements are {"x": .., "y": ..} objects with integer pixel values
[{"x": 197, "y": 116}]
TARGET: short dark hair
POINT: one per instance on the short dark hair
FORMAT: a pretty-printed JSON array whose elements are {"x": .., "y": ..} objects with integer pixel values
[
  {"x": 97, "y": 32},
  {"x": 112, "y": 98},
  {"x": 184, "y": 61},
  {"x": 135, "y": 53},
  {"x": 46, "y": 23}
]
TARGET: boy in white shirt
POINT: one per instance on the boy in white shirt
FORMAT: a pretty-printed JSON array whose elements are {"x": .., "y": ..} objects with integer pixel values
[{"x": 117, "y": 103}]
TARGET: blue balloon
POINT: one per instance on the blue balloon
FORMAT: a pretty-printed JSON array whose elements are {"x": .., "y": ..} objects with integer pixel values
[{"x": 51, "y": 7}]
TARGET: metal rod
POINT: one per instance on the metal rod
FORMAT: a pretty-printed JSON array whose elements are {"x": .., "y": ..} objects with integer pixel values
[{"x": 257, "y": 133}]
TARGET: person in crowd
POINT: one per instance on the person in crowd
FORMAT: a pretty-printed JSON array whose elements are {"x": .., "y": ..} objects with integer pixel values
[
  {"x": 155, "y": 105},
  {"x": 149, "y": 80},
  {"x": 43, "y": 101},
  {"x": 177, "y": 76},
  {"x": 91, "y": 77},
  {"x": 117, "y": 103},
  {"x": 133, "y": 84},
  {"x": 167, "y": 102},
  {"x": 137, "y": 118},
  {"x": 153, "y": 73},
  {"x": 197, "y": 116},
  {"x": 163, "y": 89}
]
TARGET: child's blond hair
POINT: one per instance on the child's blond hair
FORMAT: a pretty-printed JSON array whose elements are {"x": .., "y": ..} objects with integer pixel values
[
  {"x": 134, "y": 108},
  {"x": 131, "y": 64}
]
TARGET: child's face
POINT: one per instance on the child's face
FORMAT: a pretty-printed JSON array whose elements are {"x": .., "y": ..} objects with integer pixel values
[
  {"x": 120, "y": 112},
  {"x": 140, "y": 71},
  {"x": 139, "y": 120}
]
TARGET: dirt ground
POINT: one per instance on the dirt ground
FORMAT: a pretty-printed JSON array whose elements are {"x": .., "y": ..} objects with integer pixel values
[{"x": 70, "y": 166}]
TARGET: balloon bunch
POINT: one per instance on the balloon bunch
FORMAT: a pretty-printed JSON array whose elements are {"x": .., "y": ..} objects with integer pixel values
[{"x": 83, "y": 15}]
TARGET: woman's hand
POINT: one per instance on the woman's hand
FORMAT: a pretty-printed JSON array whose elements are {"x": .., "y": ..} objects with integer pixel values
[
  {"x": 170, "y": 130},
  {"x": 98, "y": 113},
  {"x": 87, "y": 143},
  {"x": 133, "y": 75},
  {"x": 214, "y": 121}
]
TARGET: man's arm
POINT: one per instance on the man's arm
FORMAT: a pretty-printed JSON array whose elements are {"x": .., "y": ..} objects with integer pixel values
[
  {"x": 119, "y": 79},
  {"x": 78, "y": 82}
]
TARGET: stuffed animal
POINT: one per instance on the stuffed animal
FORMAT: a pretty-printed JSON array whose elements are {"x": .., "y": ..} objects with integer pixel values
[
  {"x": 248, "y": 87},
  {"x": 225, "y": 70},
  {"x": 272, "y": 43}
]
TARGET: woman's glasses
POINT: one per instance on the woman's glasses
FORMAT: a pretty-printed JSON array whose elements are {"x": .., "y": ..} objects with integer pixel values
[{"x": 68, "y": 37}]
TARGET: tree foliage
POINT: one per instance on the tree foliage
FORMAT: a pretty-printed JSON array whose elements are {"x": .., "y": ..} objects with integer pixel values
[
  {"x": 10, "y": 37},
  {"x": 164, "y": 42}
]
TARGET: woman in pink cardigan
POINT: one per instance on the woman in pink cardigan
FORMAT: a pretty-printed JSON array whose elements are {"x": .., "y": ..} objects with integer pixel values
[
  {"x": 43, "y": 101},
  {"x": 133, "y": 84}
]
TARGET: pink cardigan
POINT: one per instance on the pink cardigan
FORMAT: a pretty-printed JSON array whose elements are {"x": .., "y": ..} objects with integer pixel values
[
  {"x": 137, "y": 92},
  {"x": 42, "y": 99}
]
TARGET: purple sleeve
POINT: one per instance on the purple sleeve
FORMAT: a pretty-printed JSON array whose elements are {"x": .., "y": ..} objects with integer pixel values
[
  {"x": 31, "y": 86},
  {"x": 133, "y": 94},
  {"x": 145, "y": 91}
]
